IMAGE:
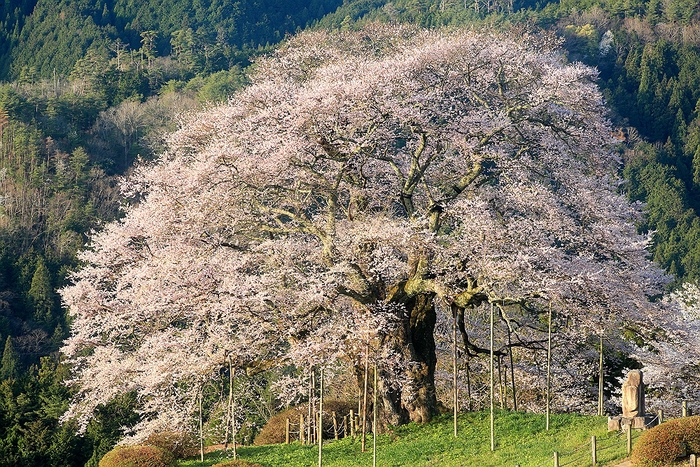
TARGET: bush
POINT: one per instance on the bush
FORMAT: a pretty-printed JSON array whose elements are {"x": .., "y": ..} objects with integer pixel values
[
  {"x": 180, "y": 443},
  {"x": 667, "y": 442},
  {"x": 237, "y": 463},
  {"x": 273, "y": 432},
  {"x": 138, "y": 456}
]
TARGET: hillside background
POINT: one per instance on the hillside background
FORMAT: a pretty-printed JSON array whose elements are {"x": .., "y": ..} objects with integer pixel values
[{"x": 88, "y": 87}]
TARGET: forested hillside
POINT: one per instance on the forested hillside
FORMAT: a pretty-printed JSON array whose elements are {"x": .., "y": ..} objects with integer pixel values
[
  {"x": 208, "y": 35},
  {"x": 90, "y": 86},
  {"x": 87, "y": 88}
]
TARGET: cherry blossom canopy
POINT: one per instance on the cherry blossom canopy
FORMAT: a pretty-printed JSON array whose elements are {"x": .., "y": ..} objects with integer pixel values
[{"x": 360, "y": 174}]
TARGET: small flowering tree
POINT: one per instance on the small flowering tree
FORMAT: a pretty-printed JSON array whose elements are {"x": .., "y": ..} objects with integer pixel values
[
  {"x": 670, "y": 366},
  {"x": 361, "y": 173}
]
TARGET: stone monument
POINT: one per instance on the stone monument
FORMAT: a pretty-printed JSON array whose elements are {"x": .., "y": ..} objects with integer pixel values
[
  {"x": 633, "y": 414},
  {"x": 633, "y": 395}
]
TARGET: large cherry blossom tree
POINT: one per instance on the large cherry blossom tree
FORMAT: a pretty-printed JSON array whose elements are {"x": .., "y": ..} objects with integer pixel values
[{"x": 371, "y": 173}]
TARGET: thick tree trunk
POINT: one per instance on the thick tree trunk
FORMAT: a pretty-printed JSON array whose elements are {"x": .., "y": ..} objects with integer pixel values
[{"x": 415, "y": 400}]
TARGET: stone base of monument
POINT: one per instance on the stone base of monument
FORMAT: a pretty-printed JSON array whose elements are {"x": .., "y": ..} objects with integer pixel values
[{"x": 637, "y": 423}]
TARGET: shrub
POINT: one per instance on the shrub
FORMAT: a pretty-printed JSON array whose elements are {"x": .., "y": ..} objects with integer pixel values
[
  {"x": 273, "y": 432},
  {"x": 180, "y": 443},
  {"x": 138, "y": 456},
  {"x": 667, "y": 442},
  {"x": 237, "y": 463}
]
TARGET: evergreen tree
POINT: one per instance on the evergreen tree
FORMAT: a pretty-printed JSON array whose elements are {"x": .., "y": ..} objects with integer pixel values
[
  {"x": 9, "y": 367},
  {"x": 41, "y": 294}
]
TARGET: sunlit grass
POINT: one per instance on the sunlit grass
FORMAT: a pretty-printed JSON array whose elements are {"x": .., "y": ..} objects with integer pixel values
[{"x": 521, "y": 439}]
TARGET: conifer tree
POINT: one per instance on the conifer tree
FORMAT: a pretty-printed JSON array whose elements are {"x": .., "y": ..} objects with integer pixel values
[
  {"x": 41, "y": 293},
  {"x": 9, "y": 366}
]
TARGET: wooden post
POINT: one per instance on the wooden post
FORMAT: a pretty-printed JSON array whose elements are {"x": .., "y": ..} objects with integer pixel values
[
  {"x": 685, "y": 408},
  {"x": 455, "y": 399},
  {"x": 512, "y": 370},
  {"x": 309, "y": 440},
  {"x": 313, "y": 415},
  {"x": 335, "y": 425},
  {"x": 549, "y": 368},
  {"x": 319, "y": 431},
  {"x": 201, "y": 427},
  {"x": 501, "y": 384},
  {"x": 493, "y": 438},
  {"x": 660, "y": 416},
  {"x": 352, "y": 423},
  {"x": 594, "y": 453},
  {"x": 693, "y": 460},
  {"x": 629, "y": 440},
  {"x": 375, "y": 390},
  {"x": 364, "y": 407},
  {"x": 286, "y": 432},
  {"x": 345, "y": 426},
  {"x": 230, "y": 402},
  {"x": 556, "y": 459},
  {"x": 302, "y": 439},
  {"x": 600, "y": 378}
]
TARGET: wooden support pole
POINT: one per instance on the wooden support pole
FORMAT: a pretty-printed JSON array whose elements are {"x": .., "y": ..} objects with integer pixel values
[
  {"x": 286, "y": 432},
  {"x": 375, "y": 427},
  {"x": 549, "y": 368},
  {"x": 600, "y": 378},
  {"x": 345, "y": 426},
  {"x": 455, "y": 407},
  {"x": 512, "y": 371},
  {"x": 302, "y": 439},
  {"x": 693, "y": 460},
  {"x": 309, "y": 438},
  {"x": 594, "y": 451},
  {"x": 629, "y": 440},
  {"x": 335, "y": 425},
  {"x": 201, "y": 427},
  {"x": 685, "y": 408},
  {"x": 364, "y": 405},
  {"x": 556, "y": 459},
  {"x": 491, "y": 351},
  {"x": 320, "y": 420},
  {"x": 352, "y": 423},
  {"x": 229, "y": 417}
]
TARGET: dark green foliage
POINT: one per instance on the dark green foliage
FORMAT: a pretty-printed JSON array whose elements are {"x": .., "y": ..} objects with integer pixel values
[
  {"x": 138, "y": 456},
  {"x": 217, "y": 87},
  {"x": 30, "y": 407},
  {"x": 108, "y": 425},
  {"x": 668, "y": 442},
  {"x": 41, "y": 294},
  {"x": 9, "y": 366},
  {"x": 202, "y": 36}
]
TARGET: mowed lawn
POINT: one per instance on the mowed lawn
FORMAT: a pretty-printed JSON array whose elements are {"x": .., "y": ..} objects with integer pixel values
[{"x": 521, "y": 439}]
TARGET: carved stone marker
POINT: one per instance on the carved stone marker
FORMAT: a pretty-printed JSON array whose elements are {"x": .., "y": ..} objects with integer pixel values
[
  {"x": 633, "y": 411},
  {"x": 633, "y": 395}
]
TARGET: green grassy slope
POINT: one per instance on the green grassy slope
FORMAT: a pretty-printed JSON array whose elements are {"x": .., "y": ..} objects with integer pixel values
[{"x": 521, "y": 439}]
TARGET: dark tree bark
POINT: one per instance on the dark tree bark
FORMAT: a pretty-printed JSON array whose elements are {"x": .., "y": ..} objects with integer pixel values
[{"x": 416, "y": 401}]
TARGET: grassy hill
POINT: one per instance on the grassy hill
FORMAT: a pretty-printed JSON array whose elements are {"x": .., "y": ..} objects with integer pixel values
[{"x": 521, "y": 439}]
